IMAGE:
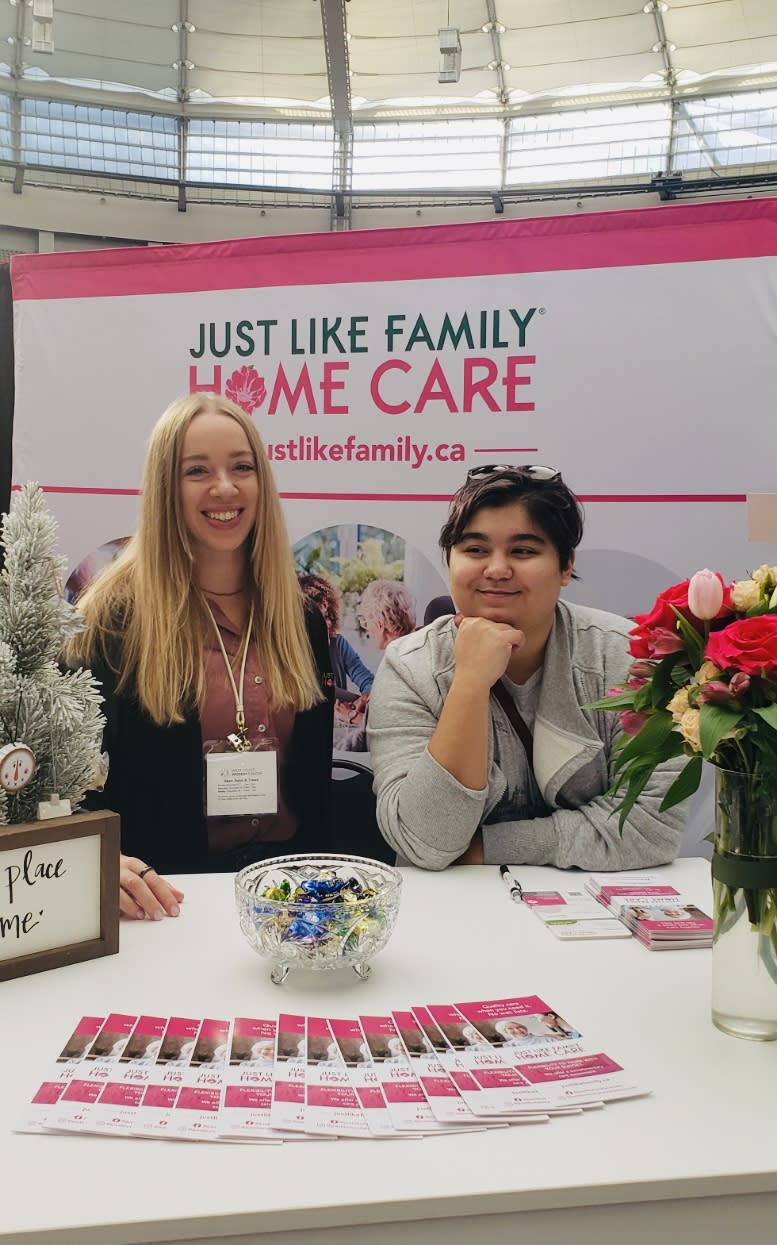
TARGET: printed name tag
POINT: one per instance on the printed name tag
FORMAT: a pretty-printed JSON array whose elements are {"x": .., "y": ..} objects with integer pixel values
[{"x": 241, "y": 783}]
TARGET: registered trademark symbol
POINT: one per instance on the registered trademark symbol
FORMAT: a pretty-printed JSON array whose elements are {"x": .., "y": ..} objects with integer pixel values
[{"x": 541, "y": 311}]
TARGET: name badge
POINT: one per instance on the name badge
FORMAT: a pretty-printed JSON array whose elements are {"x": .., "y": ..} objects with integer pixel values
[{"x": 241, "y": 783}]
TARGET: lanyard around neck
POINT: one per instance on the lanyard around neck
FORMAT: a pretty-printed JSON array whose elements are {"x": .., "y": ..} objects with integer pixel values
[{"x": 240, "y": 741}]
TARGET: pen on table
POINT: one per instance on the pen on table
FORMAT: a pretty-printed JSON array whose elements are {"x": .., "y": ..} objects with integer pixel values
[{"x": 516, "y": 890}]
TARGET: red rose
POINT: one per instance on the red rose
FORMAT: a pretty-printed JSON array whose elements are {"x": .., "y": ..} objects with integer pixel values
[
  {"x": 662, "y": 613},
  {"x": 655, "y": 634},
  {"x": 749, "y": 645}
]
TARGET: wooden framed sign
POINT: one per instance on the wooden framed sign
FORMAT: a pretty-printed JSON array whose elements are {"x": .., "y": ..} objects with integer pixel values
[{"x": 59, "y": 892}]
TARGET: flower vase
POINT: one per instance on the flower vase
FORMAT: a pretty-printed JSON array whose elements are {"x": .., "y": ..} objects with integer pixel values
[{"x": 744, "y": 877}]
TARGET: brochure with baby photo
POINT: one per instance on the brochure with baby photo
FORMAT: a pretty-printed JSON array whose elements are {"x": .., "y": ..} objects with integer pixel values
[
  {"x": 573, "y": 915},
  {"x": 549, "y": 1051}
]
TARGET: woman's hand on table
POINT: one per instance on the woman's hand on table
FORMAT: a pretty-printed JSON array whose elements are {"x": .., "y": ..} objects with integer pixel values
[{"x": 143, "y": 894}]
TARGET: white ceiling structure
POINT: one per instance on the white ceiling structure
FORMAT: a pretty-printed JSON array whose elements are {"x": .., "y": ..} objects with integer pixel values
[{"x": 352, "y": 66}]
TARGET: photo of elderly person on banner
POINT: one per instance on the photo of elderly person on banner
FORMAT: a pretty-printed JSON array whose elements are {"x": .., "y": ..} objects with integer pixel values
[
  {"x": 216, "y": 675},
  {"x": 483, "y": 747},
  {"x": 386, "y": 611}
]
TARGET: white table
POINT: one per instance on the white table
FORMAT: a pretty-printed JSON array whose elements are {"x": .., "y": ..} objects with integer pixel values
[{"x": 696, "y": 1160}]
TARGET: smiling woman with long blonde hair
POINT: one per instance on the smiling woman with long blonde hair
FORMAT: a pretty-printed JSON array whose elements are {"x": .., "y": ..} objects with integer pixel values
[{"x": 207, "y": 653}]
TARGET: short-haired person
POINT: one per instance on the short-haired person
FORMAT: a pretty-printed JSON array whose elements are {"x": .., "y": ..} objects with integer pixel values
[
  {"x": 387, "y": 610},
  {"x": 215, "y": 674},
  {"x": 346, "y": 662},
  {"x": 453, "y": 777}
]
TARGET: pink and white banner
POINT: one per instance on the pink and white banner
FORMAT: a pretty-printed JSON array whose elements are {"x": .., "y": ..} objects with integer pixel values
[{"x": 636, "y": 351}]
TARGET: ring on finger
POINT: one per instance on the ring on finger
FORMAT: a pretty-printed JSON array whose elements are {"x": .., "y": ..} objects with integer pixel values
[{"x": 146, "y": 869}]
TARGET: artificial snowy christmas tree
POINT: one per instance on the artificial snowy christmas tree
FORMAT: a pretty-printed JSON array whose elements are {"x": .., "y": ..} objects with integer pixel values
[{"x": 50, "y": 719}]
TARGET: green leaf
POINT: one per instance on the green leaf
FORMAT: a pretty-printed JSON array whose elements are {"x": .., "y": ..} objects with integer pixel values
[
  {"x": 624, "y": 701},
  {"x": 635, "y": 789},
  {"x": 643, "y": 698},
  {"x": 713, "y": 725},
  {"x": 663, "y": 684},
  {"x": 694, "y": 642},
  {"x": 686, "y": 782},
  {"x": 769, "y": 715}
]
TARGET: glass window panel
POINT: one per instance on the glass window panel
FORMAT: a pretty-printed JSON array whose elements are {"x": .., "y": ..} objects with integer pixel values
[
  {"x": 427, "y": 154},
  {"x": 726, "y": 131},
  {"x": 255, "y": 153},
  {"x": 91, "y": 137},
  {"x": 588, "y": 144}
]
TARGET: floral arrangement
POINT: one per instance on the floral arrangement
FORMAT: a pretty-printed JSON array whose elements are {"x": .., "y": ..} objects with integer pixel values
[{"x": 703, "y": 683}]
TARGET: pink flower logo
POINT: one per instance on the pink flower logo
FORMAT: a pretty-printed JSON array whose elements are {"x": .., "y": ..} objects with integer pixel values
[{"x": 246, "y": 388}]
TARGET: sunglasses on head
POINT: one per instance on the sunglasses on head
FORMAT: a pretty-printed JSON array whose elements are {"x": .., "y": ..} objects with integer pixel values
[{"x": 534, "y": 471}]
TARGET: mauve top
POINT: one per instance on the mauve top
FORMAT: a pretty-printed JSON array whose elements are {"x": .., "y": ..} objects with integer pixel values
[{"x": 217, "y": 719}]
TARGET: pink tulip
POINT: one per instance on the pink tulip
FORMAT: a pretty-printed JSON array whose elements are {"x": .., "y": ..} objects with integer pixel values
[
  {"x": 632, "y": 722},
  {"x": 705, "y": 594},
  {"x": 739, "y": 682}
]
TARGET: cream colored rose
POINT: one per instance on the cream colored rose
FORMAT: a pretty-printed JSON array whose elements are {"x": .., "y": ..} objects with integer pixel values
[
  {"x": 678, "y": 705},
  {"x": 746, "y": 593},
  {"x": 765, "y": 573},
  {"x": 688, "y": 727},
  {"x": 707, "y": 672}
]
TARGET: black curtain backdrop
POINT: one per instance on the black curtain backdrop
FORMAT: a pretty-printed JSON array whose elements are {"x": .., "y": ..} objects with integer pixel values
[{"x": 6, "y": 389}]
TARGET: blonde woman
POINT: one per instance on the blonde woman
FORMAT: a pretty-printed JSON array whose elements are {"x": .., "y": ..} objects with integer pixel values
[{"x": 216, "y": 676}]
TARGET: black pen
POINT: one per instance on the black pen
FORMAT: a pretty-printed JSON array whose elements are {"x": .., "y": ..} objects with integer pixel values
[{"x": 516, "y": 890}]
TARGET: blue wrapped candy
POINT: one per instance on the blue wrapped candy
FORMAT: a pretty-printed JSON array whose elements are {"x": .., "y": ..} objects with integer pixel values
[
  {"x": 318, "y": 889},
  {"x": 303, "y": 929}
]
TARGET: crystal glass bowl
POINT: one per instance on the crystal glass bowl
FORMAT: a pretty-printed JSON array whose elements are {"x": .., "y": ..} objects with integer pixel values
[{"x": 318, "y": 911}]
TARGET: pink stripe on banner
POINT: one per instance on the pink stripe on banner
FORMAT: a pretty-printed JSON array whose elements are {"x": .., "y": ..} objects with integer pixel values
[
  {"x": 682, "y": 233},
  {"x": 90, "y": 492},
  {"x": 584, "y": 497},
  {"x": 514, "y": 449}
]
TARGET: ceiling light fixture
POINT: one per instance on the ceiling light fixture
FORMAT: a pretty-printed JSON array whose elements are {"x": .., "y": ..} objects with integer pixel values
[
  {"x": 655, "y": 6},
  {"x": 189, "y": 27},
  {"x": 450, "y": 54},
  {"x": 498, "y": 65},
  {"x": 493, "y": 28},
  {"x": 183, "y": 65},
  {"x": 664, "y": 47}
]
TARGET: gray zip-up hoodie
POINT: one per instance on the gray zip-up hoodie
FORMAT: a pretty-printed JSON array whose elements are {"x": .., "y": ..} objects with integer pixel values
[{"x": 430, "y": 818}]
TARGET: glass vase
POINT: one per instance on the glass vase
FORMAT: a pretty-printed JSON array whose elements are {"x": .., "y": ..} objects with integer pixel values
[{"x": 744, "y": 880}]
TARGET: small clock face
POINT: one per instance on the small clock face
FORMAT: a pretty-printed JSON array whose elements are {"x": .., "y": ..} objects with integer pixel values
[{"x": 17, "y": 766}]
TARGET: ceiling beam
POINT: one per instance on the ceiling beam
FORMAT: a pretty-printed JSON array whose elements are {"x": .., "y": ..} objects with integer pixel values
[
  {"x": 334, "y": 25},
  {"x": 337, "y": 66}
]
